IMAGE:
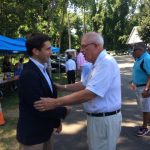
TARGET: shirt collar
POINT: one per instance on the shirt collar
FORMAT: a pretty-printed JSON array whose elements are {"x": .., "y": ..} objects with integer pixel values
[
  {"x": 143, "y": 55},
  {"x": 39, "y": 65},
  {"x": 101, "y": 55}
]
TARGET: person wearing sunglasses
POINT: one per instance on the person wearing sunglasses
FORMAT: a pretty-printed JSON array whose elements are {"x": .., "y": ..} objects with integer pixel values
[{"x": 141, "y": 84}]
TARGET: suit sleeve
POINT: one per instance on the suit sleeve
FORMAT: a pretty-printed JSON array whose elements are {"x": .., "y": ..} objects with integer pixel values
[{"x": 30, "y": 90}]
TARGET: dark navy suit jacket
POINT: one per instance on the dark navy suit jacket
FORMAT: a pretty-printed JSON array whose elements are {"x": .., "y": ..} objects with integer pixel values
[{"x": 35, "y": 127}]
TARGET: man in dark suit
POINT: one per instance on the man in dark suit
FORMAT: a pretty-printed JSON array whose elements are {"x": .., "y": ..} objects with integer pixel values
[{"x": 34, "y": 128}]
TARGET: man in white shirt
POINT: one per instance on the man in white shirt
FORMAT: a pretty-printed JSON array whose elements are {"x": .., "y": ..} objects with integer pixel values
[
  {"x": 70, "y": 69},
  {"x": 100, "y": 92}
]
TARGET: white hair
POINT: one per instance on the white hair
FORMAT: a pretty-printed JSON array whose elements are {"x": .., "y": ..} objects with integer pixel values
[
  {"x": 94, "y": 37},
  {"x": 100, "y": 39}
]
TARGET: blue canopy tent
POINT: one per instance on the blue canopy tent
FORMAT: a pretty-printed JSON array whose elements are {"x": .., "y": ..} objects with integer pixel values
[{"x": 17, "y": 45}]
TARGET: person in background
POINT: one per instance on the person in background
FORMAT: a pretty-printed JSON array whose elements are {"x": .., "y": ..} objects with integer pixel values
[
  {"x": 141, "y": 84},
  {"x": 100, "y": 93},
  {"x": 21, "y": 60},
  {"x": 17, "y": 70},
  {"x": 70, "y": 69},
  {"x": 49, "y": 67},
  {"x": 6, "y": 68},
  {"x": 35, "y": 128},
  {"x": 80, "y": 60},
  {"x": 17, "y": 73}
]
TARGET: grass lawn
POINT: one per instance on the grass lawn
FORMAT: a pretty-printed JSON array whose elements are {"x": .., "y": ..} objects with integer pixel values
[{"x": 10, "y": 110}]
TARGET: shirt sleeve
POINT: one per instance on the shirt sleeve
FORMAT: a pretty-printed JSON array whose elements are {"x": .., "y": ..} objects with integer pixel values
[{"x": 147, "y": 65}]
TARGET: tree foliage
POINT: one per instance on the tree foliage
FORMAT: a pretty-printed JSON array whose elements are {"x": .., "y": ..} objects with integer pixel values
[
  {"x": 145, "y": 21},
  {"x": 113, "y": 18}
]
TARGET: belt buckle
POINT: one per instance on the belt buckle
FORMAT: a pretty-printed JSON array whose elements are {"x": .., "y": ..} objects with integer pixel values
[{"x": 117, "y": 111}]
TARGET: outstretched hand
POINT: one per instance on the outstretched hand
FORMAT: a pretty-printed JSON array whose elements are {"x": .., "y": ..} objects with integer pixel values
[
  {"x": 58, "y": 129},
  {"x": 45, "y": 104}
]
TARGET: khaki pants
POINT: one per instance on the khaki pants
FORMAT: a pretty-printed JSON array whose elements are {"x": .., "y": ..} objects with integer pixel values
[
  {"x": 42, "y": 146},
  {"x": 143, "y": 103},
  {"x": 103, "y": 132}
]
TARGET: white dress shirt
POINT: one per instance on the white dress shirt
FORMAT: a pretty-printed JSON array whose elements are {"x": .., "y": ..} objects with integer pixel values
[{"x": 43, "y": 70}]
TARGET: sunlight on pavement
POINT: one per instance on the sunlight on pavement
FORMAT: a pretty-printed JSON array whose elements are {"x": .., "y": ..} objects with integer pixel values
[
  {"x": 79, "y": 110},
  {"x": 73, "y": 128},
  {"x": 129, "y": 124},
  {"x": 129, "y": 102},
  {"x": 125, "y": 65},
  {"x": 122, "y": 140}
]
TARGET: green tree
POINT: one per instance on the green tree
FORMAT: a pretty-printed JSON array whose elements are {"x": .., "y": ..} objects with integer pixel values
[
  {"x": 114, "y": 18},
  {"x": 144, "y": 21}
]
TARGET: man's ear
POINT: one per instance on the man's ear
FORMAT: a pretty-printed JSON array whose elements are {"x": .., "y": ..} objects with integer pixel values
[
  {"x": 100, "y": 46},
  {"x": 35, "y": 51}
]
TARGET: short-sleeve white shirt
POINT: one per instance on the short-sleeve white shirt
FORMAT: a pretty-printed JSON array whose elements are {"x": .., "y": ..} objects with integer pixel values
[
  {"x": 70, "y": 65},
  {"x": 42, "y": 68},
  {"x": 104, "y": 81}
]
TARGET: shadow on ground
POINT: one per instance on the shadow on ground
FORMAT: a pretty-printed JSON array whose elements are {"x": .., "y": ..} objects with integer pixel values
[{"x": 73, "y": 136}]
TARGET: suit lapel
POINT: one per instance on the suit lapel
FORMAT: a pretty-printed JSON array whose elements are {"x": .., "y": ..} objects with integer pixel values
[
  {"x": 45, "y": 83},
  {"x": 53, "y": 86}
]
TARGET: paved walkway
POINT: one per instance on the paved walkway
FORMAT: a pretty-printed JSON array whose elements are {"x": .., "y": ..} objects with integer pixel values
[{"x": 73, "y": 136}]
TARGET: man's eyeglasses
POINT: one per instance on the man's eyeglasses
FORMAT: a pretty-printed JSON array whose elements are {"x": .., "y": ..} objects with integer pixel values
[{"x": 86, "y": 45}]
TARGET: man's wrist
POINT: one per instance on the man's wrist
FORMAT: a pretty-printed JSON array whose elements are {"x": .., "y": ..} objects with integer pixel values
[
  {"x": 146, "y": 89},
  {"x": 65, "y": 86},
  {"x": 58, "y": 103}
]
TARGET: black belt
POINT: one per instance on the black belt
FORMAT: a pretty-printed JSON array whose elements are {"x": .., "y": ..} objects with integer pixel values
[
  {"x": 138, "y": 85},
  {"x": 102, "y": 114}
]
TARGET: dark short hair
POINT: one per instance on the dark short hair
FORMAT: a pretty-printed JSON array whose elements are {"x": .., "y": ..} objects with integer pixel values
[
  {"x": 78, "y": 50},
  {"x": 21, "y": 60},
  {"x": 36, "y": 40},
  {"x": 141, "y": 46},
  {"x": 69, "y": 56}
]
